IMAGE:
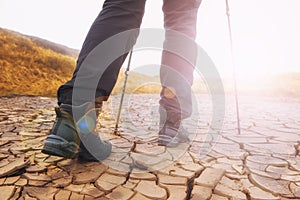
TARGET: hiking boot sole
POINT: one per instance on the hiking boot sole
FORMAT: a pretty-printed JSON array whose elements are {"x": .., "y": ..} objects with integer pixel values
[{"x": 58, "y": 146}]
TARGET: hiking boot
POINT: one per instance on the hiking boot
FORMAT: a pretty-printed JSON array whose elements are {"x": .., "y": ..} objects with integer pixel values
[
  {"x": 93, "y": 149},
  {"x": 171, "y": 132},
  {"x": 171, "y": 135},
  {"x": 63, "y": 140},
  {"x": 66, "y": 132}
]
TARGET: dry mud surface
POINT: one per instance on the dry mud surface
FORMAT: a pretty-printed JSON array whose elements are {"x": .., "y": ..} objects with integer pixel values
[{"x": 263, "y": 162}]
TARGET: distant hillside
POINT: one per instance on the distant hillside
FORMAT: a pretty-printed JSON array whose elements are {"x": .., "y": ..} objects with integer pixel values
[
  {"x": 285, "y": 85},
  {"x": 58, "y": 48},
  {"x": 137, "y": 83},
  {"x": 33, "y": 66}
]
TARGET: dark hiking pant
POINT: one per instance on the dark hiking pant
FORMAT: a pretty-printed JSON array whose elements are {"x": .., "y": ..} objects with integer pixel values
[{"x": 176, "y": 72}]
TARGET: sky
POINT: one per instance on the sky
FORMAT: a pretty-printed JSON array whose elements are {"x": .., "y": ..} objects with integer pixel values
[{"x": 266, "y": 33}]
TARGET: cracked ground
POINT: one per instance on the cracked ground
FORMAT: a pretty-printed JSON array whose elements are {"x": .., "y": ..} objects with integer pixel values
[{"x": 263, "y": 162}]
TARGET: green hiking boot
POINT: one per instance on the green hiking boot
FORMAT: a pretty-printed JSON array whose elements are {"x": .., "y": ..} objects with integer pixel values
[
  {"x": 68, "y": 138},
  {"x": 92, "y": 148},
  {"x": 63, "y": 140}
]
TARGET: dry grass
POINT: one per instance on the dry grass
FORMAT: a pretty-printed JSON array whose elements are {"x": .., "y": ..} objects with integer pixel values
[{"x": 28, "y": 68}]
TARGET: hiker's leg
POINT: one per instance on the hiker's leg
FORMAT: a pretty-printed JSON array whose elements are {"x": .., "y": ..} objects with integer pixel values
[
  {"x": 176, "y": 74},
  {"x": 116, "y": 16},
  {"x": 177, "y": 67},
  {"x": 73, "y": 132}
]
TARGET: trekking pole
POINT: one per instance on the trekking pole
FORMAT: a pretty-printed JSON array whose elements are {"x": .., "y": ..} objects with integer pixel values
[
  {"x": 234, "y": 69},
  {"x": 123, "y": 93}
]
